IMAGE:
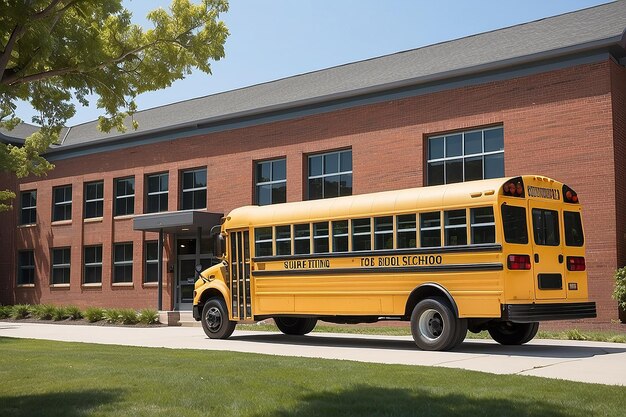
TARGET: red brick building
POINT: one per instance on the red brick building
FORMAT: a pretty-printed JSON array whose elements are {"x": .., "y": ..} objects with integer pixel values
[{"x": 546, "y": 97}]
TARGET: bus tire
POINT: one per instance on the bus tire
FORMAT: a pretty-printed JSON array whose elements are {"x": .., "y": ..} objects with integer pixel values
[
  {"x": 434, "y": 325},
  {"x": 509, "y": 333},
  {"x": 461, "y": 332},
  {"x": 295, "y": 325},
  {"x": 215, "y": 321}
]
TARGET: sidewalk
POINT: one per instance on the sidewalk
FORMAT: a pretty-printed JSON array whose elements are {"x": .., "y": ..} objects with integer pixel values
[{"x": 595, "y": 362}]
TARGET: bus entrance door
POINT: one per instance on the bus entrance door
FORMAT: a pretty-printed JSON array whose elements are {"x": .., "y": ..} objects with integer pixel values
[
  {"x": 241, "y": 299},
  {"x": 548, "y": 258}
]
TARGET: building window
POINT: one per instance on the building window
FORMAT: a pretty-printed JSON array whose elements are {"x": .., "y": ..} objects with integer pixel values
[
  {"x": 28, "y": 212},
  {"x": 62, "y": 200},
  {"x": 26, "y": 267},
  {"x": 93, "y": 265},
  {"x": 61, "y": 266},
  {"x": 465, "y": 156},
  {"x": 123, "y": 262},
  {"x": 124, "y": 196},
  {"x": 194, "y": 189},
  {"x": 330, "y": 175},
  {"x": 271, "y": 182},
  {"x": 94, "y": 199},
  {"x": 157, "y": 194},
  {"x": 152, "y": 262}
]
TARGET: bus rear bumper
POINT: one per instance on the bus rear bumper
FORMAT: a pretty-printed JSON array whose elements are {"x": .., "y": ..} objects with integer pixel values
[{"x": 528, "y": 313}]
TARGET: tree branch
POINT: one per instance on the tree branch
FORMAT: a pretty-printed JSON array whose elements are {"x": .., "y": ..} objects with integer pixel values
[{"x": 17, "y": 33}]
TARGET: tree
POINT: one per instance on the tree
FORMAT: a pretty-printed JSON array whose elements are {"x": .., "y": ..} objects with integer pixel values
[{"x": 54, "y": 51}]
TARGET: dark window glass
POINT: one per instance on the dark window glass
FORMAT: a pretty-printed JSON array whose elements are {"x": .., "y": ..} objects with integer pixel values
[
  {"x": 483, "y": 225},
  {"x": 93, "y": 264},
  {"x": 455, "y": 228},
  {"x": 62, "y": 209},
  {"x": 430, "y": 229},
  {"x": 271, "y": 182},
  {"x": 26, "y": 267},
  {"x": 123, "y": 262},
  {"x": 473, "y": 142},
  {"x": 61, "y": 266},
  {"x": 514, "y": 224},
  {"x": 330, "y": 175},
  {"x": 302, "y": 239},
  {"x": 465, "y": 156},
  {"x": 546, "y": 227},
  {"x": 263, "y": 241},
  {"x": 383, "y": 233},
  {"x": 124, "y": 196},
  {"x": 94, "y": 199},
  {"x": 194, "y": 189},
  {"x": 152, "y": 262},
  {"x": 283, "y": 240},
  {"x": 157, "y": 193},
  {"x": 28, "y": 200},
  {"x": 407, "y": 231},
  {"x": 573, "y": 228},
  {"x": 320, "y": 238},
  {"x": 361, "y": 234},
  {"x": 340, "y": 236}
]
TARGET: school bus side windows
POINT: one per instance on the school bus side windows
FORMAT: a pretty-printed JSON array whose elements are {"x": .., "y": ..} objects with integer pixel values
[
  {"x": 430, "y": 229},
  {"x": 263, "y": 241},
  {"x": 482, "y": 225},
  {"x": 320, "y": 238},
  {"x": 302, "y": 239},
  {"x": 340, "y": 236},
  {"x": 283, "y": 240},
  {"x": 406, "y": 231},
  {"x": 361, "y": 234},
  {"x": 383, "y": 233},
  {"x": 455, "y": 228}
]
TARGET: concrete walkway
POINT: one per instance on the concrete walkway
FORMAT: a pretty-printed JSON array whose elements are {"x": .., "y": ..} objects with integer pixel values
[{"x": 595, "y": 362}]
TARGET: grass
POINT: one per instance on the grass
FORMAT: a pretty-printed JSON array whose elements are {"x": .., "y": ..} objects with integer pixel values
[
  {"x": 78, "y": 379},
  {"x": 571, "y": 334}
]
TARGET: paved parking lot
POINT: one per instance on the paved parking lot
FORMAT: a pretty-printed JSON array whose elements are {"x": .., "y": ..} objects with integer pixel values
[{"x": 595, "y": 362}]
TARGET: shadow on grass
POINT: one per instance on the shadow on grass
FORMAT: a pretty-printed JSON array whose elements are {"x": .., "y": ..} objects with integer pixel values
[
  {"x": 57, "y": 404},
  {"x": 474, "y": 347},
  {"x": 366, "y": 400}
]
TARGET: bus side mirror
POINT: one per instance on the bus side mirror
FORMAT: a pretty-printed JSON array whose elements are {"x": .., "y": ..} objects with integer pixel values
[{"x": 219, "y": 245}]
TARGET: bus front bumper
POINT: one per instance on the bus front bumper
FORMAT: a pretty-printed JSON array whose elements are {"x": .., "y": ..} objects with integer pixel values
[
  {"x": 528, "y": 313},
  {"x": 196, "y": 313}
]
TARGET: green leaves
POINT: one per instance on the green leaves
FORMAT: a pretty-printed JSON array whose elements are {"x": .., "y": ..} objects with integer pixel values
[{"x": 54, "y": 50}]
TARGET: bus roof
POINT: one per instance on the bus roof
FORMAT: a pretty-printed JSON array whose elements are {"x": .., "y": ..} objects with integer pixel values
[{"x": 365, "y": 205}]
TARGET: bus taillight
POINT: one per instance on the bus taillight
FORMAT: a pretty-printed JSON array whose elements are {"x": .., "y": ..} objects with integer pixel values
[
  {"x": 514, "y": 188},
  {"x": 575, "y": 263},
  {"x": 518, "y": 262},
  {"x": 569, "y": 195}
]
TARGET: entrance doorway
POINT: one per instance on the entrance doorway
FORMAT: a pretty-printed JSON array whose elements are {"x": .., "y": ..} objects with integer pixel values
[{"x": 186, "y": 260}]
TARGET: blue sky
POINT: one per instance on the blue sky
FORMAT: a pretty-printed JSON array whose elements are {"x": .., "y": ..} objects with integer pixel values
[{"x": 273, "y": 39}]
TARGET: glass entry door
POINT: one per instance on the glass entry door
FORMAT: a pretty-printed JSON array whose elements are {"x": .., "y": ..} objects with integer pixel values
[
  {"x": 185, "y": 282},
  {"x": 187, "y": 257}
]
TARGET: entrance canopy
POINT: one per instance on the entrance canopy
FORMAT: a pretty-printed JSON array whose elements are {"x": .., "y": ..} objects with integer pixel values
[{"x": 183, "y": 221}]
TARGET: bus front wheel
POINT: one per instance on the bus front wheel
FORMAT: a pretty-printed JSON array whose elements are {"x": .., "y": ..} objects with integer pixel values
[
  {"x": 435, "y": 326},
  {"x": 509, "y": 333},
  {"x": 215, "y": 321},
  {"x": 295, "y": 325}
]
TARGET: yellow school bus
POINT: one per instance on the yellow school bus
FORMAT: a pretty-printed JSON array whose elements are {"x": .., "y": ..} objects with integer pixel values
[{"x": 498, "y": 255}]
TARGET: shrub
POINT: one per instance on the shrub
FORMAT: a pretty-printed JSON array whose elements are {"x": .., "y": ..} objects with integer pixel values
[
  {"x": 60, "y": 313},
  {"x": 20, "y": 311},
  {"x": 94, "y": 314},
  {"x": 5, "y": 312},
  {"x": 74, "y": 313},
  {"x": 42, "y": 311},
  {"x": 148, "y": 316},
  {"x": 619, "y": 293},
  {"x": 113, "y": 315},
  {"x": 128, "y": 316}
]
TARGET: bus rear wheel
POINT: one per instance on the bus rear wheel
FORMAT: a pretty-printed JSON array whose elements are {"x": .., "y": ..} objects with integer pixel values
[
  {"x": 295, "y": 325},
  {"x": 509, "y": 333},
  {"x": 435, "y": 326},
  {"x": 215, "y": 321}
]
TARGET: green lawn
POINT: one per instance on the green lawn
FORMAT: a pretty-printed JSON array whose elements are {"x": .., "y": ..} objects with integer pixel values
[{"x": 44, "y": 378}]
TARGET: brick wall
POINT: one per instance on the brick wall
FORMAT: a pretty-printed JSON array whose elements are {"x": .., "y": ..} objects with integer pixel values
[{"x": 558, "y": 124}]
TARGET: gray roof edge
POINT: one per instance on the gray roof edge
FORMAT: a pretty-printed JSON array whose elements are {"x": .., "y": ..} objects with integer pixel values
[{"x": 460, "y": 72}]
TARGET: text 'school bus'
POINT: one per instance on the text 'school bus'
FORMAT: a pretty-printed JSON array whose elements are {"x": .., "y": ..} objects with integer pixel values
[{"x": 498, "y": 255}]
